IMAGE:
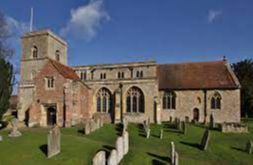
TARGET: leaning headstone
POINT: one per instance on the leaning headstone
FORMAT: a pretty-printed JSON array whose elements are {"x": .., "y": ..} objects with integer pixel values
[
  {"x": 249, "y": 147},
  {"x": 184, "y": 128},
  {"x": 148, "y": 133},
  {"x": 205, "y": 140},
  {"x": 172, "y": 153},
  {"x": 99, "y": 158},
  {"x": 161, "y": 134},
  {"x": 93, "y": 125},
  {"x": 119, "y": 148},
  {"x": 97, "y": 123},
  {"x": 125, "y": 142},
  {"x": 87, "y": 128},
  {"x": 211, "y": 123},
  {"x": 176, "y": 157},
  {"x": 14, "y": 132},
  {"x": 54, "y": 142},
  {"x": 112, "y": 160}
]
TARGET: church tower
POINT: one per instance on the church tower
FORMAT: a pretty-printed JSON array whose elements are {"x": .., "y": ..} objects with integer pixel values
[{"x": 37, "y": 47}]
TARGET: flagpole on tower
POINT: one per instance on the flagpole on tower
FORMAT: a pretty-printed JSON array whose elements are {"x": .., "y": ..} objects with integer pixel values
[{"x": 31, "y": 20}]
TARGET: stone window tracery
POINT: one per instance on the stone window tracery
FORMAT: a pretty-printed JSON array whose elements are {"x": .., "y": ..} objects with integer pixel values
[
  {"x": 169, "y": 100},
  {"x": 135, "y": 100},
  {"x": 216, "y": 101},
  {"x": 104, "y": 100}
]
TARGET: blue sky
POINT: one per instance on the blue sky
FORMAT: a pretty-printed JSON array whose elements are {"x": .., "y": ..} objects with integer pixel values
[{"x": 168, "y": 31}]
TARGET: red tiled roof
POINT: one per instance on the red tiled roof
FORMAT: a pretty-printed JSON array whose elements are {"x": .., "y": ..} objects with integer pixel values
[
  {"x": 64, "y": 70},
  {"x": 197, "y": 75}
]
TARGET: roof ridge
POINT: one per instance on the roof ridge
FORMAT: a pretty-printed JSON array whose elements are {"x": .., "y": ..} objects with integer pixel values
[{"x": 193, "y": 62}]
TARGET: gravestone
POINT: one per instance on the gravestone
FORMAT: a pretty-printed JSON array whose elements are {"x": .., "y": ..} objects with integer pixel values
[
  {"x": 99, "y": 158},
  {"x": 176, "y": 158},
  {"x": 249, "y": 146},
  {"x": 97, "y": 123},
  {"x": 205, "y": 140},
  {"x": 112, "y": 160},
  {"x": 87, "y": 128},
  {"x": 148, "y": 133},
  {"x": 1, "y": 138},
  {"x": 54, "y": 142},
  {"x": 161, "y": 134},
  {"x": 179, "y": 126},
  {"x": 184, "y": 128},
  {"x": 119, "y": 148},
  {"x": 126, "y": 142},
  {"x": 93, "y": 125},
  {"x": 211, "y": 123},
  {"x": 172, "y": 153},
  {"x": 14, "y": 132},
  {"x": 170, "y": 119}
]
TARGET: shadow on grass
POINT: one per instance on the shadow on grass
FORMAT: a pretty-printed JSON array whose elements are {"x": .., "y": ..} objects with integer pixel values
[
  {"x": 107, "y": 150},
  {"x": 157, "y": 162},
  {"x": 238, "y": 149},
  {"x": 141, "y": 130},
  {"x": 43, "y": 148},
  {"x": 159, "y": 159},
  {"x": 194, "y": 145},
  {"x": 80, "y": 131}
]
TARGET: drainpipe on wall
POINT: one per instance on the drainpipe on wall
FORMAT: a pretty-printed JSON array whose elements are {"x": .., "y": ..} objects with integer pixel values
[{"x": 64, "y": 107}]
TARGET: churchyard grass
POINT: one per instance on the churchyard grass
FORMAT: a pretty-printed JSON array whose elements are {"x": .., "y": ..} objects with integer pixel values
[{"x": 80, "y": 149}]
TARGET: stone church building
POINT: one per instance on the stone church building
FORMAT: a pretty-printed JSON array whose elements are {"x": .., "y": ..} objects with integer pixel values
[{"x": 51, "y": 92}]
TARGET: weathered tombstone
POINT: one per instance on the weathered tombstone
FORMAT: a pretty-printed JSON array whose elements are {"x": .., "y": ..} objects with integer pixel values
[
  {"x": 119, "y": 148},
  {"x": 1, "y": 138},
  {"x": 212, "y": 123},
  {"x": 176, "y": 158},
  {"x": 54, "y": 142},
  {"x": 179, "y": 126},
  {"x": 97, "y": 121},
  {"x": 148, "y": 133},
  {"x": 249, "y": 146},
  {"x": 184, "y": 128},
  {"x": 161, "y": 134},
  {"x": 99, "y": 158},
  {"x": 93, "y": 125},
  {"x": 170, "y": 119},
  {"x": 14, "y": 132},
  {"x": 172, "y": 153},
  {"x": 87, "y": 128},
  {"x": 126, "y": 142},
  {"x": 205, "y": 140},
  {"x": 112, "y": 160}
]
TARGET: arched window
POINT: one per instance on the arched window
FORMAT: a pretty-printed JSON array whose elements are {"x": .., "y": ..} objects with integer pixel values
[
  {"x": 104, "y": 100},
  {"x": 57, "y": 55},
  {"x": 137, "y": 74},
  {"x": 135, "y": 100},
  {"x": 102, "y": 76},
  {"x": 169, "y": 100},
  {"x": 216, "y": 101},
  {"x": 121, "y": 75},
  {"x": 83, "y": 75},
  {"x": 141, "y": 74},
  {"x": 34, "y": 52}
]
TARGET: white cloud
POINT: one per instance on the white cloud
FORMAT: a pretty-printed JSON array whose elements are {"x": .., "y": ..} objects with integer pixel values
[
  {"x": 213, "y": 15},
  {"x": 17, "y": 28},
  {"x": 85, "y": 20}
]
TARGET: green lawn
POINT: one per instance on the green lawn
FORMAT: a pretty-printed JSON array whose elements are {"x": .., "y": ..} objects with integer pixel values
[{"x": 79, "y": 149}]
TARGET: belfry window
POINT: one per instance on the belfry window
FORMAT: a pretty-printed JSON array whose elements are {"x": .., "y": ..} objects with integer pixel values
[
  {"x": 121, "y": 75},
  {"x": 57, "y": 55},
  {"x": 102, "y": 76},
  {"x": 216, "y": 101},
  {"x": 135, "y": 100},
  {"x": 169, "y": 100},
  {"x": 34, "y": 52}
]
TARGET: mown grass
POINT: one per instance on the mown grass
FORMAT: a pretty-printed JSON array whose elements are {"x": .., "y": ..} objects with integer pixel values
[{"x": 79, "y": 149}]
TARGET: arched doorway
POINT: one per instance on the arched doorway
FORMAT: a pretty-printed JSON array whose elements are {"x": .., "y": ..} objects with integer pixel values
[
  {"x": 196, "y": 114},
  {"x": 51, "y": 116},
  {"x": 135, "y": 101},
  {"x": 104, "y": 101}
]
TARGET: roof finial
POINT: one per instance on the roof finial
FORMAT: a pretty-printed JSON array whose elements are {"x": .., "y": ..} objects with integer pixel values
[{"x": 31, "y": 20}]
